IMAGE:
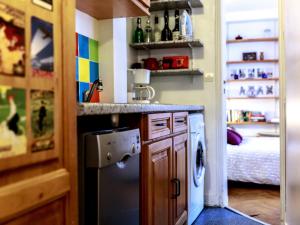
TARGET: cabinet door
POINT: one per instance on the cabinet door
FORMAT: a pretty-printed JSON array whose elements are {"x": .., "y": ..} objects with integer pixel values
[
  {"x": 179, "y": 203},
  {"x": 158, "y": 184}
]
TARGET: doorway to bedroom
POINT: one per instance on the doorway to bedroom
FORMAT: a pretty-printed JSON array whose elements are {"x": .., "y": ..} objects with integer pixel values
[{"x": 252, "y": 108}]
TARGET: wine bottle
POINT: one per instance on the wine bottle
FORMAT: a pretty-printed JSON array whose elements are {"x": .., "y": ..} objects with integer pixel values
[
  {"x": 176, "y": 31},
  {"x": 148, "y": 32},
  {"x": 157, "y": 31},
  {"x": 166, "y": 34},
  {"x": 138, "y": 36}
]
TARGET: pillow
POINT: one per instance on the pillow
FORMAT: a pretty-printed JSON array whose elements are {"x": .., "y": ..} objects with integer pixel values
[{"x": 233, "y": 137}]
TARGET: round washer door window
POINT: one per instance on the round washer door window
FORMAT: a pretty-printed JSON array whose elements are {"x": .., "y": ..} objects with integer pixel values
[{"x": 198, "y": 163}]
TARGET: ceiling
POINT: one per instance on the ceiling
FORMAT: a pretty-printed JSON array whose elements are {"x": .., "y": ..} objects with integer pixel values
[{"x": 250, "y": 5}]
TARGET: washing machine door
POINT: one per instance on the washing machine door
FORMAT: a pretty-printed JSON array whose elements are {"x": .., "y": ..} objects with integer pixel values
[{"x": 198, "y": 167}]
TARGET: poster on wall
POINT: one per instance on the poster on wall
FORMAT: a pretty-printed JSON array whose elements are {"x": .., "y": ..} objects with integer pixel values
[
  {"x": 13, "y": 139},
  {"x": 47, "y": 4},
  {"x": 42, "y": 60},
  {"x": 12, "y": 41},
  {"x": 42, "y": 120}
]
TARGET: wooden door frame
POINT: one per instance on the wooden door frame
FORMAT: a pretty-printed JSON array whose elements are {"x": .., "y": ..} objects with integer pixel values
[{"x": 70, "y": 108}]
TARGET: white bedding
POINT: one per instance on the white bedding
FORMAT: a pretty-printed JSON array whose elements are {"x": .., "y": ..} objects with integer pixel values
[{"x": 256, "y": 160}]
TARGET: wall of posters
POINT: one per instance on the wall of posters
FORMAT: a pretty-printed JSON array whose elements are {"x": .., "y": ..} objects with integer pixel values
[
  {"x": 13, "y": 139},
  {"x": 42, "y": 120},
  {"x": 47, "y": 4},
  {"x": 12, "y": 41},
  {"x": 42, "y": 60}
]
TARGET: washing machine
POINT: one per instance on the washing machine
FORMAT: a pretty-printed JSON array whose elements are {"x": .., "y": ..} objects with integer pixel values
[{"x": 196, "y": 173}]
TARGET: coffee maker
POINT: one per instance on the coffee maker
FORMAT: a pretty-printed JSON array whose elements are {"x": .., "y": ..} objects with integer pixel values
[{"x": 139, "y": 90}]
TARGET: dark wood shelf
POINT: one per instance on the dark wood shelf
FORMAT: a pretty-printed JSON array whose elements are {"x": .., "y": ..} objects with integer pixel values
[
  {"x": 255, "y": 80},
  {"x": 254, "y": 61},
  {"x": 253, "y": 98},
  {"x": 274, "y": 39},
  {"x": 167, "y": 44},
  {"x": 251, "y": 123},
  {"x": 177, "y": 72},
  {"x": 159, "y": 5}
]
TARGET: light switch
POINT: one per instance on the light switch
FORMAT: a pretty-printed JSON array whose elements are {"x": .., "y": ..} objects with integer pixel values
[{"x": 209, "y": 77}]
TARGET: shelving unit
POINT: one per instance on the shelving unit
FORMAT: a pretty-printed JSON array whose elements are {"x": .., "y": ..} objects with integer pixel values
[
  {"x": 176, "y": 72},
  {"x": 174, "y": 4},
  {"x": 253, "y": 80},
  {"x": 254, "y": 61},
  {"x": 168, "y": 44},
  {"x": 274, "y": 39},
  {"x": 250, "y": 123},
  {"x": 253, "y": 98}
]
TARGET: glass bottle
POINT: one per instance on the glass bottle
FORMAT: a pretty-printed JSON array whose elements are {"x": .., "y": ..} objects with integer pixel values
[
  {"x": 176, "y": 31},
  {"x": 148, "y": 31},
  {"x": 157, "y": 31},
  {"x": 166, "y": 34},
  {"x": 138, "y": 36}
]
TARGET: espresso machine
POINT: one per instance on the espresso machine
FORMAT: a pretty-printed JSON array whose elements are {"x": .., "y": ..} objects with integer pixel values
[{"x": 139, "y": 90}]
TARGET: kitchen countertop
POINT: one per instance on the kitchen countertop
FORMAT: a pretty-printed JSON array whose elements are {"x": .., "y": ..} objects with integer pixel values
[{"x": 85, "y": 109}]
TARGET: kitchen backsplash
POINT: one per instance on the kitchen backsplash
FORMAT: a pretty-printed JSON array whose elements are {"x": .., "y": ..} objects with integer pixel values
[{"x": 87, "y": 65}]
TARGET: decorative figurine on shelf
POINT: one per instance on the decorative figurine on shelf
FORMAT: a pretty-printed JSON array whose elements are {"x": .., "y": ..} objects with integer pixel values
[
  {"x": 262, "y": 56},
  {"x": 259, "y": 73},
  {"x": 242, "y": 91},
  {"x": 251, "y": 91},
  {"x": 264, "y": 75},
  {"x": 269, "y": 90},
  {"x": 239, "y": 37},
  {"x": 242, "y": 74},
  {"x": 260, "y": 91},
  {"x": 251, "y": 73}
]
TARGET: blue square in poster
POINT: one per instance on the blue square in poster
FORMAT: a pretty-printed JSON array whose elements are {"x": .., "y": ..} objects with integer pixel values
[
  {"x": 83, "y": 45},
  {"x": 42, "y": 50},
  {"x": 82, "y": 88},
  {"x": 77, "y": 69},
  {"x": 94, "y": 71}
]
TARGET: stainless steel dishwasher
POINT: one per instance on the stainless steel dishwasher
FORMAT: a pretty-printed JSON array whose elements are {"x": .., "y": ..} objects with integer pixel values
[{"x": 112, "y": 178}]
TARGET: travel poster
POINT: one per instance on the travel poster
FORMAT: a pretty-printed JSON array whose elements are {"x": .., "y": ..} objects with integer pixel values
[
  {"x": 42, "y": 120},
  {"x": 13, "y": 139},
  {"x": 12, "y": 41},
  {"x": 42, "y": 60}
]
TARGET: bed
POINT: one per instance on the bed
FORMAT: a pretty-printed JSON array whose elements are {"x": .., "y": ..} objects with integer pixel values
[{"x": 255, "y": 160}]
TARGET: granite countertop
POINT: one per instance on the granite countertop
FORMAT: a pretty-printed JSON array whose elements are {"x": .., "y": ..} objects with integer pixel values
[{"x": 85, "y": 109}]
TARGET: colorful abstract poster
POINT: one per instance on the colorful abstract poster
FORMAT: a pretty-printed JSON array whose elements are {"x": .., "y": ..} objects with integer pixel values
[
  {"x": 12, "y": 41},
  {"x": 13, "y": 139},
  {"x": 42, "y": 120},
  {"x": 42, "y": 60},
  {"x": 47, "y": 4}
]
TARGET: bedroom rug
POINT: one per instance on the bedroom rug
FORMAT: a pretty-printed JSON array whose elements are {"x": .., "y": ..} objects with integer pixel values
[
  {"x": 262, "y": 202},
  {"x": 220, "y": 216}
]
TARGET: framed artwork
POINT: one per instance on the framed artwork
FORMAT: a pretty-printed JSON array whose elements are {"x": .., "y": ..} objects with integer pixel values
[
  {"x": 12, "y": 41},
  {"x": 13, "y": 140},
  {"x": 47, "y": 4},
  {"x": 42, "y": 120},
  {"x": 42, "y": 60}
]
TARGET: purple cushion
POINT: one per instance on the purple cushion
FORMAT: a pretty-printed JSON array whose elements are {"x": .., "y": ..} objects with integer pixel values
[{"x": 233, "y": 137}]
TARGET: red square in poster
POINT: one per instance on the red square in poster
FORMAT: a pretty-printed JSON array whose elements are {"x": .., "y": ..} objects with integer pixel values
[{"x": 96, "y": 95}]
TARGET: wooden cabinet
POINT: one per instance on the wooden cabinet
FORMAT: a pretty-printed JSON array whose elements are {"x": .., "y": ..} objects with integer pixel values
[
  {"x": 179, "y": 203},
  {"x": 108, "y": 9},
  {"x": 164, "y": 170}
]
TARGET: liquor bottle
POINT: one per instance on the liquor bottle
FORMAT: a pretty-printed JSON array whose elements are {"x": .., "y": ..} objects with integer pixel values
[
  {"x": 176, "y": 31},
  {"x": 148, "y": 31},
  {"x": 156, "y": 32},
  {"x": 166, "y": 34},
  {"x": 138, "y": 36}
]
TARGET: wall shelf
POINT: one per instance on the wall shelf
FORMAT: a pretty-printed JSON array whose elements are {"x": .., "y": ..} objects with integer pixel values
[
  {"x": 274, "y": 39},
  {"x": 254, "y": 61},
  {"x": 177, "y": 72},
  {"x": 174, "y": 4},
  {"x": 253, "y": 80},
  {"x": 253, "y": 98},
  {"x": 250, "y": 123},
  {"x": 167, "y": 44}
]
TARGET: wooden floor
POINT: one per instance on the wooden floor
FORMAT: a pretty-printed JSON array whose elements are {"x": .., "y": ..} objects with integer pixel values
[{"x": 259, "y": 201}]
